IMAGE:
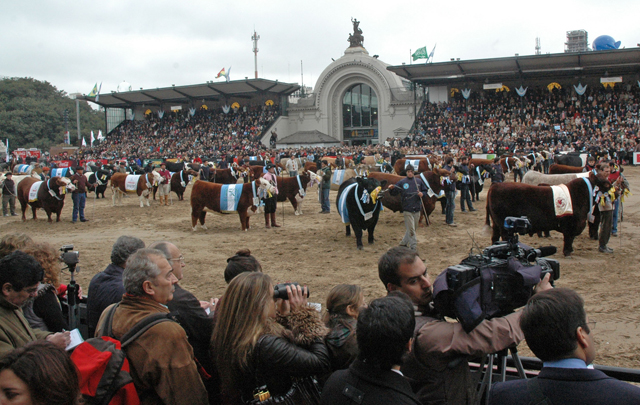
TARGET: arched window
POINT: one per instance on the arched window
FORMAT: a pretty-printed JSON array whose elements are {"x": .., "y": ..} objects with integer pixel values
[{"x": 360, "y": 114}]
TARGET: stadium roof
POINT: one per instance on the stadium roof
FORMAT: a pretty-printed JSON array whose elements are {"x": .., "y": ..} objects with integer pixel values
[
  {"x": 215, "y": 91},
  {"x": 308, "y": 137},
  {"x": 525, "y": 68}
]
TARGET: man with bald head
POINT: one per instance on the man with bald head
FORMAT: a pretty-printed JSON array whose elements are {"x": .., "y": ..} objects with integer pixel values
[{"x": 192, "y": 313}]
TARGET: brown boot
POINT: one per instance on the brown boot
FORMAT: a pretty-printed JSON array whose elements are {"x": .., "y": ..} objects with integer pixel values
[
  {"x": 166, "y": 200},
  {"x": 273, "y": 220},
  {"x": 266, "y": 221},
  {"x": 161, "y": 200}
]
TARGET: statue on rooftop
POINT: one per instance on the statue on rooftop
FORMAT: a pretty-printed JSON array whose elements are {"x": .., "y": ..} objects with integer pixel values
[{"x": 356, "y": 39}]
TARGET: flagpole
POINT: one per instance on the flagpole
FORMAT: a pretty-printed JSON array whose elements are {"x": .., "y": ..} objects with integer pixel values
[{"x": 410, "y": 57}]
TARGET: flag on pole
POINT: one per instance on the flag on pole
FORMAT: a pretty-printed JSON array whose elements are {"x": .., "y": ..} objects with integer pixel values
[
  {"x": 92, "y": 139},
  {"x": 84, "y": 143},
  {"x": 100, "y": 137},
  {"x": 421, "y": 53},
  {"x": 224, "y": 73},
  {"x": 430, "y": 58},
  {"x": 94, "y": 91},
  {"x": 7, "y": 157},
  {"x": 98, "y": 95}
]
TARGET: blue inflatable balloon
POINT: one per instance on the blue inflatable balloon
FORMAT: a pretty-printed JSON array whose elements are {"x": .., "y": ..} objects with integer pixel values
[{"x": 605, "y": 43}]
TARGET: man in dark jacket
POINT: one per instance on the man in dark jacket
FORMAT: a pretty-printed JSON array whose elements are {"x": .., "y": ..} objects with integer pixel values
[
  {"x": 384, "y": 333},
  {"x": 465, "y": 183},
  {"x": 325, "y": 187},
  {"x": 558, "y": 332},
  {"x": 9, "y": 195},
  {"x": 411, "y": 190},
  {"x": 450, "y": 192},
  {"x": 106, "y": 287}
]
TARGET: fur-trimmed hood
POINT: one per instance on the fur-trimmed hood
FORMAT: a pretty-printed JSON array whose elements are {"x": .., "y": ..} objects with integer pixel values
[{"x": 301, "y": 327}]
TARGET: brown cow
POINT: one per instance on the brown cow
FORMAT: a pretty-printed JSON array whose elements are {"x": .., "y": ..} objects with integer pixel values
[
  {"x": 50, "y": 196},
  {"x": 206, "y": 196},
  {"x": 537, "y": 204},
  {"x": 425, "y": 164},
  {"x": 563, "y": 169},
  {"x": 289, "y": 188},
  {"x": 144, "y": 186},
  {"x": 311, "y": 166},
  {"x": 394, "y": 203},
  {"x": 509, "y": 163},
  {"x": 180, "y": 181}
]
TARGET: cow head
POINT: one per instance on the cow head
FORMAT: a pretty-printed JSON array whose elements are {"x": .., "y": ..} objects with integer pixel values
[
  {"x": 313, "y": 178},
  {"x": 193, "y": 175},
  {"x": 156, "y": 177},
  {"x": 64, "y": 185},
  {"x": 265, "y": 185},
  {"x": 370, "y": 188},
  {"x": 600, "y": 181}
]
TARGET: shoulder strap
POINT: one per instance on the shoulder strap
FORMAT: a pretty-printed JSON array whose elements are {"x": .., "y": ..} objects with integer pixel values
[
  {"x": 108, "y": 320},
  {"x": 535, "y": 393},
  {"x": 141, "y": 327}
]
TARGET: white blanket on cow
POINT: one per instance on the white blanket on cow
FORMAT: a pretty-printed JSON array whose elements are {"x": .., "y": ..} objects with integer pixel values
[
  {"x": 415, "y": 163},
  {"x": 33, "y": 191},
  {"x": 562, "y": 200},
  {"x": 131, "y": 182}
]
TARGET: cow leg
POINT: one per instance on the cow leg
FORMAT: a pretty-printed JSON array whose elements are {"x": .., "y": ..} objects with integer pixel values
[
  {"x": 202, "y": 215},
  {"x": 358, "y": 232},
  {"x": 33, "y": 209},
  {"x": 496, "y": 233},
  {"x": 58, "y": 216},
  {"x": 113, "y": 197},
  {"x": 294, "y": 203},
  {"x": 370, "y": 231},
  {"x": 348, "y": 230},
  {"x": 568, "y": 244},
  {"x": 23, "y": 207},
  {"x": 48, "y": 215},
  {"x": 243, "y": 220}
]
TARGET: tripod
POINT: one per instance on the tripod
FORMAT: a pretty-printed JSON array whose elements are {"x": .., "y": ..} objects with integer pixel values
[
  {"x": 72, "y": 298},
  {"x": 487, "y": 372}
]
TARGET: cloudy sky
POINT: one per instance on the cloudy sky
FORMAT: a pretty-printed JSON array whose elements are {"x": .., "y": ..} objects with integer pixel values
[{"x": 74, "y": 44}]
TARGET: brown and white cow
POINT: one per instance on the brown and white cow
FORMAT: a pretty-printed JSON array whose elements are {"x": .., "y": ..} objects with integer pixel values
[
  {"x": 206, "y": 196},
  {"x": 143, "y": 188},
  {"x": 537, "y": 203},
  {"x": 50, "y": 196},
  {"x": 394, "y": 202},
  {"x": 563, "y": 169},
  {"x": 228, "y": 176},
  {"x": 294, "y": 189}
]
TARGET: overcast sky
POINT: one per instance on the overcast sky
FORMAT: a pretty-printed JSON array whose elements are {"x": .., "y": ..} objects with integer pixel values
[{"x": 73, "y": 44}]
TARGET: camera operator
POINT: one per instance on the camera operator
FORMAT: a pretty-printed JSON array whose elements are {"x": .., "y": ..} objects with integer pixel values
[{"x": 438, "y": 364}]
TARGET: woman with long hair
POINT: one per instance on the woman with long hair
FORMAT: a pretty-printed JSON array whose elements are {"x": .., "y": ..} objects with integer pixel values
[
  {"x": 38, "y": 373},
  {"x": 44, "y": 311},
  {"x": 344, "y": 303},
  {"x": 252, "y": 350}
]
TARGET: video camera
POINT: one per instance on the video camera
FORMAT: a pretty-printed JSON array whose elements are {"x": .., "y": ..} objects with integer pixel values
[
  {"x": 495, "y": 282},
  {"x": 69, "y": 256},
  {"x": 280, "y": 290}
]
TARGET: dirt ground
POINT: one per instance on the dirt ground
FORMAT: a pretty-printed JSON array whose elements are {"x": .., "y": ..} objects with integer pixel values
[{"x": 312, "y": 249}]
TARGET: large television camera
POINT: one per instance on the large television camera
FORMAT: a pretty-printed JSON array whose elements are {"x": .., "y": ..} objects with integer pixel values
[{"x": 495, "y": 282}]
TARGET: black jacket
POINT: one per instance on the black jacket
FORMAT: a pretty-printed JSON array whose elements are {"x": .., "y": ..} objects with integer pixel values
[
  {"x": 365, "y": 385},
  {"x": 105, "y": 288},
  {"x": 409, "y": 188}
]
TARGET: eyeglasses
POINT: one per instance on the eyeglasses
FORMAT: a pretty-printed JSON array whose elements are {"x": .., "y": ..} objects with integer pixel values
[{"x": 180, "y": 259}]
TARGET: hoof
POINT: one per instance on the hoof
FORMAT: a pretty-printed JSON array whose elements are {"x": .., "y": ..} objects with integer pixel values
[{"x": 360, "y": 247}]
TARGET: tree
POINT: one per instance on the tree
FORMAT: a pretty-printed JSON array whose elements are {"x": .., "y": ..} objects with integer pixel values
[{"x": 32, "y": 114}]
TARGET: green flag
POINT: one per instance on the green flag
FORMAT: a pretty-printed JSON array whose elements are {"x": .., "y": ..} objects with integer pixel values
[
  {"x": 95, "y": 91},
  {"x": 420, "y": 53}
]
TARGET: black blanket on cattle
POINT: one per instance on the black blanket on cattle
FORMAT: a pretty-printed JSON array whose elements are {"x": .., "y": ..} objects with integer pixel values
[{"x": 570, "y": 159}]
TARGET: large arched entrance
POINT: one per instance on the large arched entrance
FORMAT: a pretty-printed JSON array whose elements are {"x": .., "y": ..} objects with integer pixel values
[{"x": 360, "y": 115}]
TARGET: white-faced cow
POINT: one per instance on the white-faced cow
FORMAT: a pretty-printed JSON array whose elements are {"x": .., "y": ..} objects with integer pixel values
[
  {"x": 226, "y": 198},
  {"x": 294, "y": 189},
  {"x": 48, "y": 195},
  {"x": 122, "y": 183}
]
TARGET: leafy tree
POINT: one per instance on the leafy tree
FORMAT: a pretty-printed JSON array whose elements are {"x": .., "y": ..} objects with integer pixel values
[{"x": 32, "y": 114}]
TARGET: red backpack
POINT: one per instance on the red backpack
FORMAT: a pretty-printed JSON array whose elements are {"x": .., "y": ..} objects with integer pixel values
[{"x": 102, "y": 363}]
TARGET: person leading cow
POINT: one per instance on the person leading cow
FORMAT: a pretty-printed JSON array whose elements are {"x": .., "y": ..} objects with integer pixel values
[
  {"x": 270, "y": 199},
  {"x": 411, "y": 189}
]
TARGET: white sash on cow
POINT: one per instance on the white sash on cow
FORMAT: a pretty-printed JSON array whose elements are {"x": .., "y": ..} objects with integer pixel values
[
  {"x": 338, "y": 177},
  {"x": 415, "y": 163},
  {"x": 562, "y": 200},
  {"x": 131, "y": 182},
  {"x": 300, "y": 189},
  {"x": 583, "y": 174},
  {"x": 430, "y": 191},
  {"x": 33, "y": 191}
]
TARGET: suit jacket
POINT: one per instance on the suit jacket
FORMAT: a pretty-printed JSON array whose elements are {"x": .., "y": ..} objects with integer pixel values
[
  {"x": 105, "y": 288},
  {"x": 568, "y": 386},
  {"x": 366, "y": 385}
]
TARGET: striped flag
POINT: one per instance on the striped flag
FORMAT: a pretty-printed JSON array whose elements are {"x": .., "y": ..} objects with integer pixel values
[
  {"x": 84, "y": 143},
  {"x": 92, "y": 138}
]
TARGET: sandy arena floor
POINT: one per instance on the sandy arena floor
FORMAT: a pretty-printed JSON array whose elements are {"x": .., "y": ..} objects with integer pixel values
[{"x": 312, "y": 249}]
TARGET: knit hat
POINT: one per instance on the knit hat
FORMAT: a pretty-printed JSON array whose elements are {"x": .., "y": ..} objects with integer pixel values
[{"x": 409, "y": 168}]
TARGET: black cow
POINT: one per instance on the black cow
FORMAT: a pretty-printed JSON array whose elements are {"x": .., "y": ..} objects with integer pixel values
[
  {"x": 537, "y": 204},
  {"x": 101, "y": 179},
  {"x": 479, "y": 175},
  {"x": 359, "y": 206},
  {"x": 570, "y": 159}
]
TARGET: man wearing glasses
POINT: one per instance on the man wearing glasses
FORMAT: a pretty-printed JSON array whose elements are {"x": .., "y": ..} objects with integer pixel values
[
  {"x": 559, "y": 333},
  {"x": 195, "y": 317}
]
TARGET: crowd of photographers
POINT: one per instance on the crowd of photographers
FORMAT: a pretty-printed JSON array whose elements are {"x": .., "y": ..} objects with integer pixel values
[{"x": 261, "y": 343}]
